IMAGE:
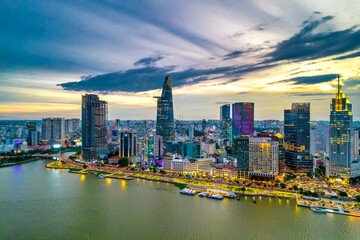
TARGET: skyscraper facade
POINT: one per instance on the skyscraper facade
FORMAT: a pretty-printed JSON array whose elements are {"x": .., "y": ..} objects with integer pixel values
[
  {"x": 94, "y": 127},
  {"x": 297, "y": 138},
  {"x": 53, "y": 130},
  {"x": 341, "y": 135},
  {"x": 127, "y": 147},
  {"x": 165, "y": 113},
  {"x": 242, "y": 119},
  {"x": 241, "y": 147},
  {"x": 225, "y": 121}
]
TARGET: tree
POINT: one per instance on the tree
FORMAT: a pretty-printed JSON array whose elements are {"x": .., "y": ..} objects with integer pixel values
[
  {"x": 282, "y": 185},
  {"x": 295, "y": 187},
  {"x": 243, "y": 189},
  {"x": 342, "y": 194},
  {"x": 309, "y": 174},
  {"x": 357, "y": 198},
  {"x": 85, "y": 166},
  {"x": 162, "y": 172},
  {"x": 123, "y": 162}
]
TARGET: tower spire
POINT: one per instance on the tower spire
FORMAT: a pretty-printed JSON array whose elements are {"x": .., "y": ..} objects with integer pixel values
[{"x": 339, "y": 87}]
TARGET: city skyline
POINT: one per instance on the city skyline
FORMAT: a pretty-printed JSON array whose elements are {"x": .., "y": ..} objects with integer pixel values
[{"x": 253, "y": 51}]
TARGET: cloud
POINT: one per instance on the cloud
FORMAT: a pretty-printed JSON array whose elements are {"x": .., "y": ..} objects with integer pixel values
[
  {"x": 149, "y": 61},
  {"x": 309, "y": 80},
  {"x": 352, "y": 55},
  {"x": 239, "y": 53},
  {"x": 307, "y": 45}
]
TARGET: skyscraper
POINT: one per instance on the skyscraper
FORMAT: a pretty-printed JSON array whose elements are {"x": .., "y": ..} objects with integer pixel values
[
  {"x": 297, "y": 138},
  {"x": 243, "y": 119},
  {"x": 241, "y": 147},
  {"x": 53, "y": 129},
  {"x": 225, "y": 121},
  {"x": 165, "y": 112},
  {"x": 94, "y": 127},
  {"x": 341, "y": 134},
  {"x": 127, "y": 147}
]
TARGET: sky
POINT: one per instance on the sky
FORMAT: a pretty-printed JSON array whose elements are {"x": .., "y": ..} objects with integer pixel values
[{"x": 272, "y": 53}]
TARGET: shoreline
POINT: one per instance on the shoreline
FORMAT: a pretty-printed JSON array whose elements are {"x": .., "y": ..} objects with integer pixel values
[{"x": 18, "y": 163}]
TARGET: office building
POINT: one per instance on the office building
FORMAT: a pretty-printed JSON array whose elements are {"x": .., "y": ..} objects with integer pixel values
[
  {"x": 165, "y": 112},
  {"x": 297, "y": 138},
  {"x": 94, "y": 127},
  {"x": 341, "y": 135},
  {"x": 127, "y": 147},
  {"x": 225, "y": 121},
  {"x": 193, "y": 149},
  {"x": 241, "y": 149},
  {"x": 242, "y": 119},
  {"x": 53, "y": 130},
  {"x": 71, "y": 125},
  {"x": 319, "y": 138},
  {"x": 263, "y": 157}
]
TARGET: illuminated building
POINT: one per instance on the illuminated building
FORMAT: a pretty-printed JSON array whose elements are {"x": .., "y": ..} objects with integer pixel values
[
  {"x": 241, "y": 148},
  {"x": 242, "y": 119},
  {"x": 165, "y": 112},
  {"x": 154, "y": 146},
  {"x": 280, "y": 139},
  {"x": 225, "y": 121},
  {"x": 94, "y": 127},
  {"x": 356, "y": 144},
  {"x": 127, "y": 147},
  {"x": 33, "y": 136},
  {"x": 53, "y": 130},
  {"x": 341, "y": 135},
  {"x": 263, "y": 157},
  {"x": 297, "y": 138}
]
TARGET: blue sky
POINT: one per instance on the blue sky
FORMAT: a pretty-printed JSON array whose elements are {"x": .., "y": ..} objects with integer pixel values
[{"x": 271, "y": 53}]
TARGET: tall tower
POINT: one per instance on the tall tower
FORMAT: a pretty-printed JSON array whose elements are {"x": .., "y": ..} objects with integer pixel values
[
  {"x": 341, "y": 135},
  {"x": 225, "y": 121},
  {"x": 243, "y": 119},
  {"x": 165, "y": 113},
  {"x": 297, "y": 138},
  {"x": 94, "y": 127}
]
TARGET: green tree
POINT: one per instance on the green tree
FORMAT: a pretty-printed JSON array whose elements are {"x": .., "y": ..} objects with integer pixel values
[
  {"x": 162, "y": 172},
  {"x": 295, "y": 187},
  {"x": 123, "y": 162},
  {"x": 357, "y": 198},
  {"x": 85, "y": 166},
  {"x": 243, "y": 189},
  {"x": 282, "y": 185}
]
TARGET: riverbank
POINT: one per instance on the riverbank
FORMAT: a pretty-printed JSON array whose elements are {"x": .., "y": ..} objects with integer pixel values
[
  {"x": 60, "y": 165},
  {"x": 18, "y": 163}
]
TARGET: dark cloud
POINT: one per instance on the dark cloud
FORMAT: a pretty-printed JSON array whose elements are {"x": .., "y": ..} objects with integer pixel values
[
  {"x": 307, "y": 45},
  {"x": 309, "y": 80},
  {"x": 150, "y": 61},
  {"x": 238, "y": 53},
  {"x": 352, "y": 55},
  {"x": 151, "y": 77}
]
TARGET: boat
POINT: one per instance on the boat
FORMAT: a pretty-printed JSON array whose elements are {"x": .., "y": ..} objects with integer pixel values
[
  {"x": 101, "y": 176},
  {"x": 188, "y": 191},
  {"x": 318, "y": 210},
  {"x": 215, "y": 196},
  {"x": 254, "y": 200},
  {"x": 203, "y": 194},
  {"x": 238, "y": 198}
]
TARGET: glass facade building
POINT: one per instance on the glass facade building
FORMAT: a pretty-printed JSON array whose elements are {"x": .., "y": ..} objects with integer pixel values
[
  {"x": 241, "y": 147},
  {"x": 242, "y": 119},
  {"x": 297, "y": 138},
  {"x": 127, "y": 146},
  {"x": 225, "y": 121},
  {"x": 165, "y": 112},
  {"x": 341, "y": 135},
  {"x": 94, "y": 127}
]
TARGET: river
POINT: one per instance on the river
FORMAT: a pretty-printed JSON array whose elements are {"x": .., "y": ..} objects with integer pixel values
[{"x": 41, "y": 203}]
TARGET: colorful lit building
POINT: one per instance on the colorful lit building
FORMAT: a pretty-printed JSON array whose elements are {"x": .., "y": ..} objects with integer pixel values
[
  {"x": 242, "y": 119},
  {"x": 341, "y": 136},
  {"x": 225, "y": 121}
]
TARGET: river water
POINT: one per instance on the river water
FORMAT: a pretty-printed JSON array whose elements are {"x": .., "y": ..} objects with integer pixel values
[{"x": 41, "y": 203}]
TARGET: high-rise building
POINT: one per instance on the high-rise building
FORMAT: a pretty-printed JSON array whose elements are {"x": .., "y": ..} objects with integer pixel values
[
  {"x": 263, "y": 157},
  {"x": 94, "y": 127},
  {"x": 154, "y": 146},
  {"x": 191, "y": 132},
  {"x": 165, "y": 112},
  {"x": 117, "y": 124},
  {"x": 341, "y": 135},
  {"x": 71, "y": 125},
  {"x": 241, "y": 147},
  {"x": 280, "y": 139},
  {"x": 53, "y": 130},
  {"x": 319, "y": 138},
  {"x": 356, "y": 144},
  {"x": 31, "y": 127},
  {"x": 127, "y": 147},
  {"x": 242, "y": 119},
  {"x": 193, "y": 149},
  {"x": 225, "y": 121},
  {"x": 297, "y": 138}
]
